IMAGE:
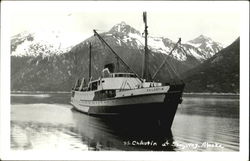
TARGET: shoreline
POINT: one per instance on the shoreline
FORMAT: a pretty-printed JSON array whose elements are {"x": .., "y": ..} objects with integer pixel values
[
  {"x": 212, "y": 93},
  {"x": 185, "y": 94},
  {"x": 37, "y": 92}
]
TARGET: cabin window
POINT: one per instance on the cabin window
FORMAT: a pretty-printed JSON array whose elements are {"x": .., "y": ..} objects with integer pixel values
[
  {"x": 93, "y": 86},
  {"x": 110, "y": 93},
  {"x": 124, "y": 75},
  {"x": 132, "y": 75},
  {"x": 121, "y": 75}
]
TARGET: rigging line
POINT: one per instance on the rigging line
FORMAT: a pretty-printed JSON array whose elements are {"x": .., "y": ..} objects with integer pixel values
[
  {"x": 170, "y": 73},
  {"x": 96, "y": 34},
  {"x": 173, "y": 69},
  {"x": 140, "y": 50},
  {"x": 105, "y": 48},
  {"x": 143, "y": 53},
  {"x": 182, "y": 49},
  {"x": 149, "y": 51},
  {"x": 165, "y": 60}
]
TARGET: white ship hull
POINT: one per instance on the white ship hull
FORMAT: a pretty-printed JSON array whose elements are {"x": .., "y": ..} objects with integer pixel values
[
  {"x": 103, "y": 105},
  {"x": 154, "y": 102}
]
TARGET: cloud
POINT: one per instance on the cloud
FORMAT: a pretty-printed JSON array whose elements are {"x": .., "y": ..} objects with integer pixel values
[{"x": 188, "y": 20}]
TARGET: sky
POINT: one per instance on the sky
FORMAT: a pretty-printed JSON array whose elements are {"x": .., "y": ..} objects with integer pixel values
[{"x": 217, "y": 20}]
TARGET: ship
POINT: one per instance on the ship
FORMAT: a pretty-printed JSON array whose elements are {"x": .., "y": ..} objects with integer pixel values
[{"x": 126, "y": 94}]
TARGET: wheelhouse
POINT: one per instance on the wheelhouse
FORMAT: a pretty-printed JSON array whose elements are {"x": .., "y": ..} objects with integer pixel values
[{"x": 125, "y": 75}]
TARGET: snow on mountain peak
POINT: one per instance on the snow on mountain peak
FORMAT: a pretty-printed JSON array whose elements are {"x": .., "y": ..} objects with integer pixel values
[
  {"x": 123, "y": 23},
  {"x": 201, "y": 47},
  {"x": 51, "y": 42},
  {"x": 204, "y": 37},
  {"x": 124, "y": 28},
  {"x": 201, "y": 39},
  {"x": 206, "y": 44},
  {"x": 44, "y": 42}
]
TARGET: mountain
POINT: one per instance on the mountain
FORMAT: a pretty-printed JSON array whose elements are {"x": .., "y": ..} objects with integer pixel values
[
  {"x": 43, "y": 42},
  {"x": 40, "y": 73},
  {"x": 206, "y": 45},
  {"x": 47, "y": 42},
  {"x": 220, "y": 73},
  {"x": 200, "y": 48},
  {"x": 47, "y": 62}
]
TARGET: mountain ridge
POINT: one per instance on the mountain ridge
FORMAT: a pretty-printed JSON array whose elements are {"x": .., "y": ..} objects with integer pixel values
[
  {"x": 124, "y": 33},
  {"x": 164, "y": 45},
  {"x": 49, "y": 70},
  {"x": 219, "y": 74}
]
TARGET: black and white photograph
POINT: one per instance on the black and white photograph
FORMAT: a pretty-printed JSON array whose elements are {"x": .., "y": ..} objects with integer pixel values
[{"x": 91, "y": 80}]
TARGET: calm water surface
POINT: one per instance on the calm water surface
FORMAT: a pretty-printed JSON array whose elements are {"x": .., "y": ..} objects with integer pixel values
[{"x": 48, "y": 121}]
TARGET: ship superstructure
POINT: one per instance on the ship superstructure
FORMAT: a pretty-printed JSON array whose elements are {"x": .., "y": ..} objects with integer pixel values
[{"x": 127, "y": 94}]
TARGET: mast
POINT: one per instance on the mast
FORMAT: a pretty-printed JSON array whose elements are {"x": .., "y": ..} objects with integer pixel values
[
  {"x": 145, "y": 65},
  {"x": 90, "y": 61}
]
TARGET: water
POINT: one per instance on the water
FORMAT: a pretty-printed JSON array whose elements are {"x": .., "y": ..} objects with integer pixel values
[{"x": 47, "y": 121}]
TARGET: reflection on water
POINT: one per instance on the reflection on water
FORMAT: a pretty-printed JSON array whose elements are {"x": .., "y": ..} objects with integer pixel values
[
  {"x": 44, "y": 136},
  {"x": 47, "y": 121},
  {"x": 116, "y": 133},
  {"x": 51, "y": 98},
  {"x": 38, "y": 126},
  {"x": 220, "y": 106}
]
